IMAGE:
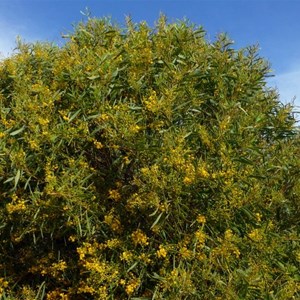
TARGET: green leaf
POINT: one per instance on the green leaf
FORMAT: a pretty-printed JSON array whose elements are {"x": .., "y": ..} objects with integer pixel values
[
  {"x": 94, "y": 77},
  {"x": 74, "y": 116},
  {"x": 17, "y": 178},
  {"x": 17, "y": 131},
  {"x": 157, "y": 220},
  {"x": 132, "y": 266}
]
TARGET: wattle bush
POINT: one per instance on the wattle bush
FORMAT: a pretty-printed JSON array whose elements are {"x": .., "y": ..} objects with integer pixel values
[{"x": 140, "y": 163}]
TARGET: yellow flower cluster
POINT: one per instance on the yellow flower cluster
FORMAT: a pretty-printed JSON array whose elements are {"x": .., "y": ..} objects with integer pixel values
[
  {"x": 93, "y": 264},
  {"x": 186, "y": 253},
  {"x": 227, "y": 249},
  {"x": 3, "y": 286},
  {"x": 55, "y": 269},
  {"x": 201, "y": 219},
  {"x": 98, "y": 145},
  {"x": 114, "y": 195},
  {"x": 16, "y": 205},
  {"x": 87, "y": 249},
  {"x": 113, "y": 222},
  {"x": 256, "y": 235},
  {"x": 126, "y": 256},
  {"x": 201, "y": 237},
  {"x": 189, "y": 173},
  {"x": 202, "y": 172},
  {"x": 57, "y": 295},
  {"x": 139, "y": 238},
  {"x": 152, "y": 103},
  {"x": 178, "y": 279},
  {"x": 161, "y": 252},
  {"x": 132, "y": 285}
]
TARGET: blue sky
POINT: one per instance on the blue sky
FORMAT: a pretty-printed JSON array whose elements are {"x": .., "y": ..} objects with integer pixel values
[{"x": 273, "y": 24}]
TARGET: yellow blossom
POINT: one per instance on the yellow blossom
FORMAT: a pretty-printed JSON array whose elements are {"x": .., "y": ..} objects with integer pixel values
[
  {"x": 228, "y": 234},
  {"x": 258, "y": 217},
  {"x": 161, "y": 252},
  {"x": 33, "y": 145},
  {"x": 200, "y": 236},
  {"x": 236, "y": 252},
  {"x": 3, "y": 285},
  {"x": 114, "y": 195},
  {"x": 201, "y": 256},
  {"x": 102, "y": 293},
  {"x": 113, "y": 243},
  {"x": 132, "y": 286},
  {"x": 202, "y": 172},
  {"x": 186, "y": 253},
  {"x": 86, "y": 289},
  {"x": 43, "y": 121},
  {"x": 104, "y": 117},
  {"x": 187, "y": 180},
  {"x": 145, "y": 258},
  {"x": 98, "y": 145},
  {"x": 126, "y": 255},
  {"x": 16, "y": 206},
  {"x": 113, "y": 222},
  {"x": 135, "y": 128},
  {"x": 122, "y": 281},
  {"x": 72, "y": 238},
  {"x": 201, "y": 219},
  {"x": 255, "y": 235},
  {"x": 138, "y": 237}
]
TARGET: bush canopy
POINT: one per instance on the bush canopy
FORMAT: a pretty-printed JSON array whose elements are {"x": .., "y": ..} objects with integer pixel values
[{"x": 146, "y": 163}]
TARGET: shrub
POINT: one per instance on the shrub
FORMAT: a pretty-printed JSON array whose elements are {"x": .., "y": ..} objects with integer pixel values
[{"x": 145, "y": 163}]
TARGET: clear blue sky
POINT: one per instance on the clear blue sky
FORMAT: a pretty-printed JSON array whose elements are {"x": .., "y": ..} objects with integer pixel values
[{"x": 273, "y": 24}]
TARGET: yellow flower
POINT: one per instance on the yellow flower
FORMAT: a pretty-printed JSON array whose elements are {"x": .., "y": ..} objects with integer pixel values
[
  {"x": 43, "y": 121},
  {"x": 86, "y": 289},
  {"x": 138, "y": 237},
  {"x": 103, "y": 292},
  {"x": 152, "y": 103},
  {"x": 162, "y": 252},
  {"x": 104, "y": 117},
  {"x": 236, "y": 252},
  {"x": 114, "y": 195},
  {"x": 113, "y": 222},
  {"x": 201, "y": 219},
  {"x": 127, "y": 256},
  {"x": 113, "y": 243},
  {"x": 255, "y": 235},
  {"x": 16, "y": 207},
  {"x": 33, "y": 145},
  {"x": 98, "y": 145},
  {"x": 258, "y": 217},
  {"x": 126, "y": 160},
  {"x": 187, "y": 180},
  {"x": 186, "y": 253},
  {"x": 202, "y": 172},
  {"x": 228, "y": 234},
  {"x": 200, "y": 236},
  {"x": 201, "y": 256},
  {"x": 145, "y": 258},
  {"x": 3, "y": 285},
  {"x": 132, "y": 286},
  {"x": 135, "y": 128},
  {"x": 122, "y": 281},
  {"x": 72, "y": 238}
]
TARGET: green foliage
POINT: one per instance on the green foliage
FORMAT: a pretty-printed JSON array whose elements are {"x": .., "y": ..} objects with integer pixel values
[{"x": 145, "y": 163}]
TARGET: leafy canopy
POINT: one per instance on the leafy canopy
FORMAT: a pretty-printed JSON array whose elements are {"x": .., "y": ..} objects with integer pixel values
[{"x": 140, "y": 163}]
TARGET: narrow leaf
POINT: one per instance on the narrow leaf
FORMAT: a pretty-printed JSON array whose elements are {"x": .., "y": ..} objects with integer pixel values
[{"x": 17, "y": 131}]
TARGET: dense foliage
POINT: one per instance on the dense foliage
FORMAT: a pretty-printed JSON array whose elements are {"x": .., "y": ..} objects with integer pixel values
[{"x": 140, "y": 163}]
